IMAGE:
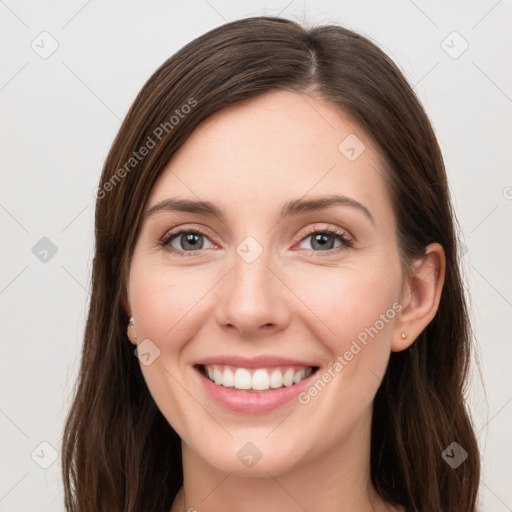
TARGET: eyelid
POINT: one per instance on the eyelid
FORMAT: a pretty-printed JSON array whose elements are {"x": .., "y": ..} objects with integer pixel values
[{"x": 327, "y": 228}]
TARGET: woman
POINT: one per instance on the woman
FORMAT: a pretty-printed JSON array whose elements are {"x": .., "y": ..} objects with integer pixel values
[{"x": 277, "y": 319}]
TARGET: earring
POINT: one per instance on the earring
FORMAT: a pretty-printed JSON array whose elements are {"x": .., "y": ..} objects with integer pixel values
[
  {"x": 131, "y": 323},
  {"x": 403, "y": 336}
]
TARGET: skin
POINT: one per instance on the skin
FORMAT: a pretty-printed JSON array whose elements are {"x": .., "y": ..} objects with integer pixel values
[{"x": 292, "y": 301}]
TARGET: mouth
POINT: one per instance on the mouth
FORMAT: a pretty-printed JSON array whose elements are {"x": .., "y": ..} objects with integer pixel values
[{"x": 255, "y": 380}]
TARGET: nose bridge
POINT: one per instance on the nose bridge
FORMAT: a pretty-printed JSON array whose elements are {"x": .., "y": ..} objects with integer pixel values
[{"x": 253, "y": 297}]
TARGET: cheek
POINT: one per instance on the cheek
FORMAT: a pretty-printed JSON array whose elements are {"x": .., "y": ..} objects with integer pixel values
[
  {"x": 352, "y": 304},
  {"x": 354, "y": 317},
  {"x": 164, "y": 302},
  {"x": 357, "y": 311}
]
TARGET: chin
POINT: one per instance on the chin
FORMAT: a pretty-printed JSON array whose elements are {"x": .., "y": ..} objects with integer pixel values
[{"x": 254, "y": 455}]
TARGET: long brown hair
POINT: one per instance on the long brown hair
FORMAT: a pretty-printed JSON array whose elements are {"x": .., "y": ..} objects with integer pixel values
[{"x": 118, "y": 451}]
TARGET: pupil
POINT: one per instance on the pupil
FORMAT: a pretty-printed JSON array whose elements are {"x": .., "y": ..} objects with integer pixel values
[
  {"x": 190, "y": 238},
  {"x": 320, "y": 238}
]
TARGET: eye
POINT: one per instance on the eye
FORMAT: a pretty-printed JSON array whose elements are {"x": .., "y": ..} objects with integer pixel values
[
  {"x": 185, "y": 241},
  {"x": 323, "y": 240}
]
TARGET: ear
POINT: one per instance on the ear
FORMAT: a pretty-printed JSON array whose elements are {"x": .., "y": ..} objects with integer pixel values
[{"x": 420, "y": 297}]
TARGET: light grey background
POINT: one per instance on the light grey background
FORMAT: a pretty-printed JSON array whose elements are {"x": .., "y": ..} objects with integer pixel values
[{"x": 59, "y": 115}]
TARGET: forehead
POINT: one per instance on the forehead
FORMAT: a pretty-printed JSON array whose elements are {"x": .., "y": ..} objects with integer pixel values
[{"x": 273, "y": 148}]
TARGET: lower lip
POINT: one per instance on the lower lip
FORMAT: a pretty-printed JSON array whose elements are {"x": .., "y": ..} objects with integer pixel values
[{"x": 253, "y": 402}]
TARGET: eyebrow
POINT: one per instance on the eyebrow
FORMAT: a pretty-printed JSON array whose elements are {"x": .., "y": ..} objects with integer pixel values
[{"x": 294, "y": 207}]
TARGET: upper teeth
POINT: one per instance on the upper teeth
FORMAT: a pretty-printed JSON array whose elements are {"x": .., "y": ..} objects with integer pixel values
[{"x": 257, "y": 379}]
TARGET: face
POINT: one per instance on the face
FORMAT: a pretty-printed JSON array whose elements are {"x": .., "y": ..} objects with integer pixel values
[{"x": 312, "y": 294}]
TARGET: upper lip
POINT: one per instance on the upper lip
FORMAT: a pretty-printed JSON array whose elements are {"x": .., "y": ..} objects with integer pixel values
[{"x": 264, "y": 361}]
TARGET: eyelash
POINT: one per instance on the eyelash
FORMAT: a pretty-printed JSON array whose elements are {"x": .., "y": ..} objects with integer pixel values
[{"x": 342, "y": 236}]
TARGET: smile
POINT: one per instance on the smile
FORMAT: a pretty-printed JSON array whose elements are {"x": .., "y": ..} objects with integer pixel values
[
  {"x": 260, "y": 379},
  {"x": 256, "y": 386}
]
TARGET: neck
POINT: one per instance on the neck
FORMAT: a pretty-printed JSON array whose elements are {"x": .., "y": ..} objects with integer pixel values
[{"x": 332, "y": 481}]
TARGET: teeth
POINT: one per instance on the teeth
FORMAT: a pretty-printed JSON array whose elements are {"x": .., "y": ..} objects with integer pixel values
[
  {"x": 288, "y": 377},
  {"x": 242, "y": 379},
  {"x": 228, "y": 378},
  {"x": 299, "y": 376},
  {"x": 217, "y": 375},
  {"x": 260, "y": 379},
  {"x": 276, "y": 379}
]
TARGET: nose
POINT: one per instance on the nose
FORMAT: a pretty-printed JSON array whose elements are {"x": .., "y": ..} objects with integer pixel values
[{"x": 253, "y": 301}]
